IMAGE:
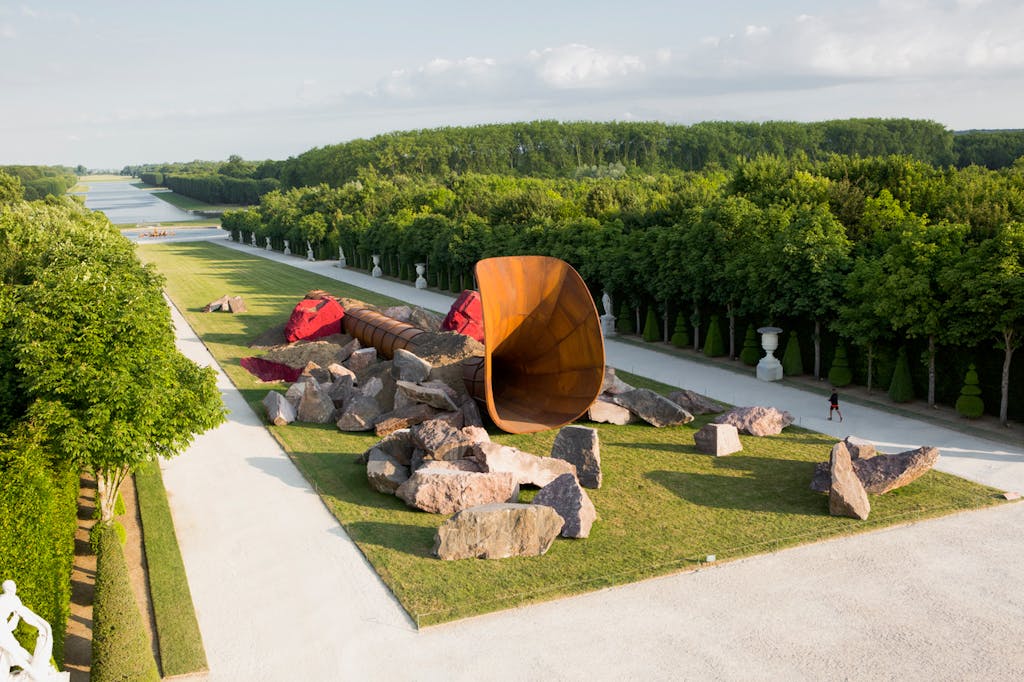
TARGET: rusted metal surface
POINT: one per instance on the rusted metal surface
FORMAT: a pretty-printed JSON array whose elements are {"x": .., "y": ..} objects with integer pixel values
[{"x": 384, "y": 333}]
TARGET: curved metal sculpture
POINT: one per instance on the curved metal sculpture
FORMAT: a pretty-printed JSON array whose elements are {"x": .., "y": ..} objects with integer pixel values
[
  {"x": 384, "y": 333},
  {"x": 543, "y": 361}
]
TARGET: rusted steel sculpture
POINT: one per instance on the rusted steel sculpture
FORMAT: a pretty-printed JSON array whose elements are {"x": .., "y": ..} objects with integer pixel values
[{"x": 543, "y": 361}]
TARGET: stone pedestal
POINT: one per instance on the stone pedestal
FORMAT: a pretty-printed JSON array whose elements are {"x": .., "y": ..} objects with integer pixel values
[
  {"x": 376, "y": 272},
  {"x": 608, "y": 325},
  {"x": 717, "y": 439},
  {"x": 421, "y": 281},
  {"x": 769, "y": 368}
]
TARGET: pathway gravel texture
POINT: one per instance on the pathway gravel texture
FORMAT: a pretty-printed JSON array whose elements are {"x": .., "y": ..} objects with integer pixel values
[{"x": 283, "y": 594}]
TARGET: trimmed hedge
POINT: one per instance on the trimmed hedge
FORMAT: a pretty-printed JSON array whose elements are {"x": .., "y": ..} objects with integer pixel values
[
  {"x": 901, "y": 388},
  {"x": 840, "y": 375},
  {"x": 625, "y": 320},
  {"x": 651, "y": 331},
  {"x": 681, "y": 332},
  {"x": 970, "y": 404},
  {"x": 120, "y": 645},
  {"x": 751, "y": 353},
  {"x": 792, "y": 363},
  {"x": 714, "y": 345}
]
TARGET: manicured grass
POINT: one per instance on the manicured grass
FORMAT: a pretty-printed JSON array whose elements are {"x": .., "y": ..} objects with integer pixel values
[
  {"x": 187, "y": 203},
  {"x": 663, "y": 507},
  {"x": 177, "y": 630}
]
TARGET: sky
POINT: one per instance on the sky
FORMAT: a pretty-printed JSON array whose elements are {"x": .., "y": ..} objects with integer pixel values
[{"x": 112, "y": 83}]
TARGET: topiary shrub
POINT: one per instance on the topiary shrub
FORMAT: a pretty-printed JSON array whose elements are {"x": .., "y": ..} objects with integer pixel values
[
  {"x": 970, "y": 404},
  {"x": 839, "y": 374},
  {"x": 792, "y": 363},
  {"x": 625, "y": 320},
  {"x": 901, "y": 388},
  {"x": 751, "y": 353},
  {"x": 119, "y": 507},
  {"x": 681, "y": 332},
  {"x": 120, "y": 645},
  {"x": 651, "y": 332},
  {"x": 454, "y": 285},
  {"x": 714, "y": 345}
]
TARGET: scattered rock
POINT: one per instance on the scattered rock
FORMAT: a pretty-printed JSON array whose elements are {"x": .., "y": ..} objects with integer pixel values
[
  {"x": 453, "y": 419},
  {"x": 279, "y": 410},
  {"x": 605, "y": 412},
  {"x": 860, "y": 448},
  {"x": 341, "y": 390},
  {"x": 318, "y": 373},
  {"x": 695, "y": 403},
  {"x": 1011, "y": 495},
  {"x": 572, "y": 503},
  {"x": 455, "y": 465},
  {"x": 528, "y": 469},
  {"x": 498, "y": 531},
  {"x": 236, "y": 305},
  {"x": 295, "y": 392},
  {"x": 397, "y": 312},
  {"x": 846, "y": 495},
  {"x": 214, "y": 306},
  {"x": 612, "y": 384},
  {"x": 426, "y": 320},
  {"x": 360, "y": 413},
  {"x": 471, "y": 413},
  {"x": 316, "y": 405},
  {"x": 432, "y": 393},
  {"x": 339, "y": 371},
  {"x": 442, "y": 491},
  {"x": 882, "y": 473},
  {"x": 397, "y": 445},
  {"x": 440, "y": 440},
  {"x": 379, "y": 372},
  {"x": 361, "y": 359},
  {"x": 579, "y": 446},
  {"x": 654, "y": 409},
  {"x": 756, "y": 421},
  {"x": 372, "y": 388},
  {"x": 403, "y": 418},
  {"x": 409, "y": 367},
  {"x": 346, "y": 351},
  {"x": 384, "y": 473},
  {"x": 717, "y": 439}
]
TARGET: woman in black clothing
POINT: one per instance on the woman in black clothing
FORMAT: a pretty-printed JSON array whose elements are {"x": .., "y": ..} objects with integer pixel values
[{"x": 833, "y": 404}]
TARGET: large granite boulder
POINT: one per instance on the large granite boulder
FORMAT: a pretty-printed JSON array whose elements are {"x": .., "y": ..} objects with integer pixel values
[
  {"x": 433, "y": 393},
  {"x": 316, "y": 405},
  {"x": 570, "y": 500},
  {"x": 338, "y": 371},
  {"x": 606, "y": 412},
  {"x": 361, "y": 359},
  {"x": 613, "y": 385},
  {"x": 717, "y": 439},
  {"x": 846, "y": 495},
  {"x": 426, "y": 320},
  {"x": 397, "y": 445},
  {"x": 403, "y": 418},
  {"x": 695, "y": 403},
  {"x": 407, "y": 366},
  {"x": 443, "y": 491},
  {"x": 317, "y": 372},
  {"x": 360, "y": 413},
  {"x": 655, "y": 409},
  {"x": 881, "y": 473},
  {"x": 279, "y": 410},
  {"x": 384, "y": 472},
  {"x": 341, "y": 389},
  {"x": 528, "y": 469},
  {"x": 296, "y": 391},
  {"x": 860, "y": 448},
  {"x": 498, "y": 531},
  {"x": 470, "y": 412},
  {"x": 757, "y": 420},
  {"x": 580, "y": 446},
  {"x": 440, "y": 440}
]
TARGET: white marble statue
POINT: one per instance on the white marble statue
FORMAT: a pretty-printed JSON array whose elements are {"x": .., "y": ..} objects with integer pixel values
[
  {"x": 421, "y": 281},
  {"x": 376, "y": 272},
  {"x": 309, "y": 252},
  {"x": 267, "y": 240},
  {"x": 254, "y": 239},
  {"x": 608, "y": 319},
  {"x": 341, "y": 258},
  {"x": 35, "y": 666}
]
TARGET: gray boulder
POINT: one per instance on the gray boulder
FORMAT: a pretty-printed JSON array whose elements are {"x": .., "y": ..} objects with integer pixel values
[
  {"x": 426, "y": 320},
  {"x": 656, "y": 410},
  {"x": 279, "y": 410},
  {"x": 440, "y": 440},
  {"x": 359, "y": 414},
  {"x": 295, "y": 392},
  {"x": 361, "y": 359},
  {"x": 408, "y": 366},
  {"x": 384, "y": 473},
  {"x": 397, "y": 445},
  {"x": 444, "y": 491},
  {"x": 434, "y": 393},
  {"x": 317, "y": 372},
  {"x": 316, "y": 405},
  {"x": 846, "y": 495},
  {"x": 717, "y": 439},
  {"x": 570, "y": 500},
  {"x": 605, "y": 412},
  {"x": 403, "y": 418},
  {"x": 341, "y": 390},
  {"x": 470, "y": 412},
  {"x": 757, "y": 420},
  {"x": 695, "y": 403},
  {"x": 498, "y": 531},
  {"x": 613, "y": 385},
  {"x": 346, "y": 351},
  {"x": 528, "y": 469},
  {"x": 881, "y": 473},
  {"x": 339, "y": 371},
  {"x": 580, "y": 446}
]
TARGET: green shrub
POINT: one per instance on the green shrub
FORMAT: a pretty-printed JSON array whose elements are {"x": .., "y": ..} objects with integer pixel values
[
  {"x": 751, "y": 353},
  {"x": 120, "y": 645},
  {"x": 403, "y": 272},
  {"x": 431, "y": 278},
  {"x": 970, "y": 404},
  {"x": 625, "y": 320},
  {"x": 714, "y": 345},
  {"x": 901, "y": 388},
  {"x": 442, "y": 280},
  {"x": 119, "y": 506},
  {"x": 792, "y": 363},
  {"x": 681, "y": 333},
  {"x": 839, "y": 374},
  {"x": 119, "y": 530},
  {"x": 454, "y": 285},
  {"x": 651, "y": 332}
]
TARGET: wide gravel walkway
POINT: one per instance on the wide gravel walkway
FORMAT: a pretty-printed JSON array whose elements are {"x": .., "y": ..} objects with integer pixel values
[{"x": 283, "y": 594}]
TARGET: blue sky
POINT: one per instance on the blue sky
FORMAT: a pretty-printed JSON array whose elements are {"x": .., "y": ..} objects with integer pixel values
[{"x": 109, "y": 83}]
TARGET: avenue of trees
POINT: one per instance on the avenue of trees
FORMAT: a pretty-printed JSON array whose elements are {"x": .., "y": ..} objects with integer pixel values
[
  {"x": 90, "y": 380},
  {"x": 40, "y": 181},
  {"x": 871, "y": 254}
]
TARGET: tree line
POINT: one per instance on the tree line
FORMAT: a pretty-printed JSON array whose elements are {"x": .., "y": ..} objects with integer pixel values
[
  {"x": 39, "y": 181},
  {"x": 874, "y": 253}
]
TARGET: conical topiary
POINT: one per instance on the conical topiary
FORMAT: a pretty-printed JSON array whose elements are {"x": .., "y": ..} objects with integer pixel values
[
  {"x": 751, "y": 353},
  {"x": 651, "y": 332},
  {"x": 839, "y": 374},
  {"x": 792, "y": 363},
  {"x": 970, "y": 404},
  {"x": 901, "y": 388},
  {"x": 714, "y": 345},
  {"x": 625, "y": 320},
  {"x": 681, "y": 333}
]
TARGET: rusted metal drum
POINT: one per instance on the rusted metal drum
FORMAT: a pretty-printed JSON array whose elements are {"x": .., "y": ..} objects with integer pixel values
[{"x": 384, "y": 333}]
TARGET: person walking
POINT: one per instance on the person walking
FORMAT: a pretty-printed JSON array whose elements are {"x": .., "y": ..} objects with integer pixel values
[{"x": 833, "y": 405}]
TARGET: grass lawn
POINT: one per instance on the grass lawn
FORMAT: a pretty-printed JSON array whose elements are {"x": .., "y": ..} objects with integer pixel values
[
  {"x": 181, "y": 201},
  {"x": 662, "y": 508}
]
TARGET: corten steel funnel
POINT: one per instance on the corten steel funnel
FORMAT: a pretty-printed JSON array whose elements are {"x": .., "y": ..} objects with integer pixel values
[{"x": 543, "y": 361}]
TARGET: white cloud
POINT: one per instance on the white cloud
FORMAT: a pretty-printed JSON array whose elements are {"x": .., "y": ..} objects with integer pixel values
[
  {"x": 7, "y": 32},
  {"x": 581, "y": 66}
]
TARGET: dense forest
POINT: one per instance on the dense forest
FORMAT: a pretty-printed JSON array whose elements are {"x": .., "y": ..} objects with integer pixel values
[{"x": 40, "y": 181}]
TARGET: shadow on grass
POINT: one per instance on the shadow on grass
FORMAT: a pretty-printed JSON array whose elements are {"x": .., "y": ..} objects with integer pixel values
[{"x": 416, "y": 541}]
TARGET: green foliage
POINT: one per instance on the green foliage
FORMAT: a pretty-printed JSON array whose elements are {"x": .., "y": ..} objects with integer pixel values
[
  {"x": 651, "y": 331},
  {"x": 120, "y": 645},
  {"x": 839, "y": 374},
  {"x": 681, "y": 332},
  {"x": 751, "y": 352},
  {"x": 970, "y": 404},
  {"x": 38, "y": 517},
  {"x": 442, "y": 279},
  {"x": 901, "y": 388},
  {"x": 120, "y": 532},
  {"x": 403, "y": 272},
  {"x": 11, "y": 189},
  {"x": 119, "y": 506},
  {"x": 714, "y": 346},
  {"x": 624, "y": 321},
  {"x": 792, "y": 364}
]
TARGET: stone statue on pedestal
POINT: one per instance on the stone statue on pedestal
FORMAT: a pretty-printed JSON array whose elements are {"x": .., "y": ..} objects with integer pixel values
[
  {"x": 35, "y": 666},
  {"x": 341, "y": 258},
  {"x": 608, "y": 319},
  {"x": 309, "y": 252},
  {"x": 421, "y": 281}
]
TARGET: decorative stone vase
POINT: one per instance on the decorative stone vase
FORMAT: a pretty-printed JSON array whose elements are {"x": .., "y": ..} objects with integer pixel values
[
  {"x": 341, "y": 258},
  {"x": 376, "y": 272},
  {"x": 287, "y": 251},
  {"x": 421, "y": 281},
  {"x": 254, "y": 239},
  {"x": 267, "y": 240},
  {"x": 769, "y": 368}
]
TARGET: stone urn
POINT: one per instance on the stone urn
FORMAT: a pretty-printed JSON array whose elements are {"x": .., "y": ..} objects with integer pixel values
[
  {"x": 376, "y": 272},
  {"x": 769, "y": 368},
  {"x": 267, "y": 241},
  {"x": 287, "y": 251},
  {"x": 421, "y": 281},
  {"x": 341, "y": 258},
  {"x": 254, "y": 239}
]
